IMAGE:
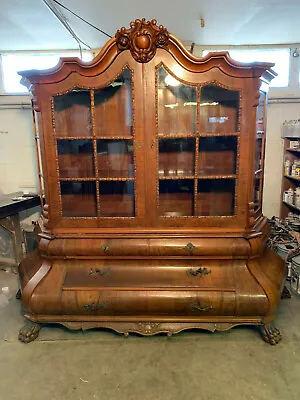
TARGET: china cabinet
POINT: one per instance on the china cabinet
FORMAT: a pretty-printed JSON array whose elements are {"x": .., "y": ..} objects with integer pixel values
[{"x": 153, "y": 173}]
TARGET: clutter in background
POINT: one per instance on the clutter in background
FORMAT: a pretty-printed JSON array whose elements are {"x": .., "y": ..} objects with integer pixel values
[{"x": 285, "y": 240}]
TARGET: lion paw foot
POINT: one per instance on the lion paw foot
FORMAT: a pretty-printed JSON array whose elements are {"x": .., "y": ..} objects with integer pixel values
[
  {"x": 29, "y": 332},
  {"x": 270, "y": 334}
]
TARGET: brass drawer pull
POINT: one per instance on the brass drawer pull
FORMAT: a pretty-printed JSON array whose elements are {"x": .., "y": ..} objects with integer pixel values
[
  {"x": 102, "y": 272},
  {"x": 197, "y": 307},
  {"x": 190, "y": 248},
  {"x": 198, "y": 271},
  {"x": 95, "y": 306},
  {"x": 105, "y": 248}
]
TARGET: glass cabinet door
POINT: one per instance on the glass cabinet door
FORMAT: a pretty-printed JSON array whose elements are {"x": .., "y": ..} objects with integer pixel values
[
  {"x": 95, "y": 150},
  {"x": 198, "y": 133},
  {"x": 259, "y": 156}
]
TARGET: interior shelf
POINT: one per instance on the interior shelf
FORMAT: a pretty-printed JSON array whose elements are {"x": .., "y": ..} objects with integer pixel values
[
  {"x": 296, "y": 178},
  {"x": 291, "y": 205}
]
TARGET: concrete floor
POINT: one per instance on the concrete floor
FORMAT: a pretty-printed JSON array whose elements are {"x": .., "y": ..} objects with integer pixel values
[{"x": 63, "y": 365}]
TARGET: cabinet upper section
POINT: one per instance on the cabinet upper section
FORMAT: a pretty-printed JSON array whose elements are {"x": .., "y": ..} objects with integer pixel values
[{"x": 149, "y": 136}]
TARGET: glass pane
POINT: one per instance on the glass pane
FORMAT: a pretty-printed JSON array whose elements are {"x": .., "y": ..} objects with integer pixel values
[
  {"x": 260, "y": 131},
  {"x": 176, "y": 157},
  {"x": 75, "y": 158},
  {"x": 218, "y": 110},
  {"x": 177, "y": 106},
  {"x": 115, "y": 158},
  {"x": 113, "y": 107},
  {"x": 257, "y": 198},
  {"x": 116, "y": 199},
  {"x": 259, "y": 150},
  {"x": 176, "y": 197},
  {"x": 78, "y": 199},
  {"x": 73, "y": 114},
  {"x": 217, "y": 155},
  {"x": 215, "y": 197}
]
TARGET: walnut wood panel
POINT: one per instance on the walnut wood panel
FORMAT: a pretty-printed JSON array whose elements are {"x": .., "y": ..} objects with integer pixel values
[
  {"x": 168, "y": 246},
  {"x": 105, "y": 274},
  {"x": 127, "y": 303}
]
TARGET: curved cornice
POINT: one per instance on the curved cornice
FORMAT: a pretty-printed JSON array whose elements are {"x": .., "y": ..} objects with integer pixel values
[{"x": 142, "y": 40}]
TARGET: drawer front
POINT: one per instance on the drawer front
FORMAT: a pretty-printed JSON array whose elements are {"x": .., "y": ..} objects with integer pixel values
[
  {"x": 150, "y": 274},
  {"x": 146, "y": 303},
  {"x": 148, "y": 247}
]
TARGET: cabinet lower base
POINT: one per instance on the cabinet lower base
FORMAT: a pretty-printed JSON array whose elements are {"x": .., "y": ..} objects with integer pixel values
[{"x": 30, "y": 330}]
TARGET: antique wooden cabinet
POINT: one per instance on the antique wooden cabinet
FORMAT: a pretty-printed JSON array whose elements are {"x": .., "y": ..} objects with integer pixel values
[{"x": 153, "y": 181}]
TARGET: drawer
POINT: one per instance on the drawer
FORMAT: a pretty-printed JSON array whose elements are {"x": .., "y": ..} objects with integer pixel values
[
  {"x": 146, "y": 302},
  {"x": 149, "y": 274},
  {"x": 148, "y": 247}
]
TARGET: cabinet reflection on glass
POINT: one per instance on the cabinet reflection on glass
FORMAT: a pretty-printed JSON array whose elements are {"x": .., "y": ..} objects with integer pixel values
[
  {"x": 176, "y": 157},
  {"x": 72, "y": 113},
  {"x": 177, "y": 105},
  {"x": 176, "y": 197},
  {"x": 78, "y": 199},
  {"x": 75, "y": 158},
  {"x": 215, "y": 197},
  {"x": 115, "y": 158},
  {"x": 218, "y": 110},
  {"x": 116, "y": 199},
  {"x": 217, "y": 155},
  {"x": 113, "y": 107}
]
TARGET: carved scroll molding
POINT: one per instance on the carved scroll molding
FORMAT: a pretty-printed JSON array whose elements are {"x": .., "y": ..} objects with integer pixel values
[{"x": 142, "y": 39}]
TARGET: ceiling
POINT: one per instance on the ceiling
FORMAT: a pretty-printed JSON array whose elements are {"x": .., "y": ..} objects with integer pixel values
[{"x": 30, "y": 25}]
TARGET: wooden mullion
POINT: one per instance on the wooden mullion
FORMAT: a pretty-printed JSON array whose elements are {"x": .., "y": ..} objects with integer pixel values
[
  {"x": 92, "y": 94},
  {"x": 218, "y": 134},
  {"x": 197, "y": 151}
]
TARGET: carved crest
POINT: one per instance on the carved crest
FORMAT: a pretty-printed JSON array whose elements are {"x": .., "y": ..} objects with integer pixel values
[{"x": 142, "y": 39}]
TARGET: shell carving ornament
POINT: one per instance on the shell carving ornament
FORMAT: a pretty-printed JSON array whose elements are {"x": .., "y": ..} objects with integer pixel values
[{"x": 142, "y": 39}]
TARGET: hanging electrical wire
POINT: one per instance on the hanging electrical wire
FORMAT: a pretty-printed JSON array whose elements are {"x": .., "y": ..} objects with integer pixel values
[
  {"x": 62, "y": 19},
  {"x": 82, "y": 19}
]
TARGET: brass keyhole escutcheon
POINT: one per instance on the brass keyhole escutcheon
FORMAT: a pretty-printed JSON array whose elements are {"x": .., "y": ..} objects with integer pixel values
[{"x": 190, "y": 248}]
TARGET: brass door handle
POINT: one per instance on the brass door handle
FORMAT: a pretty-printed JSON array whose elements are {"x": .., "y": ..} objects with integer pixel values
[
  {"x": 200, "y": 271},
  {"x": 105, "y": 248},
  {"x": 197, "y": 307},
  {"x": 96, "y": 271},
  {"x": 95, "y": 306}
]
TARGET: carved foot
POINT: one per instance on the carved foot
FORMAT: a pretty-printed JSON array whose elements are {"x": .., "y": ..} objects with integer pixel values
[
  {"x": 29, "y": 332},
  {"x": 270, "y": 334},
  {"x": 285, "y": 293}
]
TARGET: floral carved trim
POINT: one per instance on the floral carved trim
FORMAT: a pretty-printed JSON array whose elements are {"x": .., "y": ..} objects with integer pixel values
[{"x": 142, "y": 39}]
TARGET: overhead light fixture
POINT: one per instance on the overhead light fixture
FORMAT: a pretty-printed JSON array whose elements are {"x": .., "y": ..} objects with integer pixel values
[{"x": 170, "y": 80}]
